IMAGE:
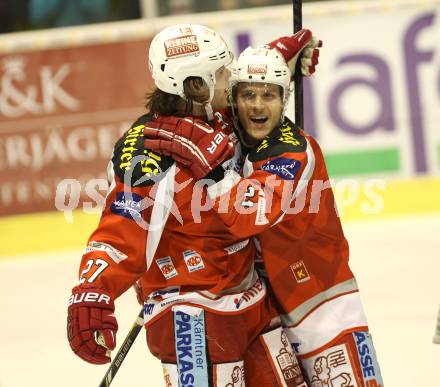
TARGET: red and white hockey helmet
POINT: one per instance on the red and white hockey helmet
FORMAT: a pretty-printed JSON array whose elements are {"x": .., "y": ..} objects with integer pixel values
[
  {"x": 262, "y": 65},
  {"x": 186, "y": 50}
]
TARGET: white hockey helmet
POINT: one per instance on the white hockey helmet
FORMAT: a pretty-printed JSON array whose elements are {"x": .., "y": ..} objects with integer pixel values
[
  {"x": 262, "y": 65},
  {"x": 186, "y": 50}
]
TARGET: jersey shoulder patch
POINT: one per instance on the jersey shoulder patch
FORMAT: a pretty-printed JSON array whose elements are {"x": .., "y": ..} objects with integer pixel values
[
  {"x": 134, "y": 164},
  {"x": 286, "y": 168},
  {"x": 285, "y": 139}
]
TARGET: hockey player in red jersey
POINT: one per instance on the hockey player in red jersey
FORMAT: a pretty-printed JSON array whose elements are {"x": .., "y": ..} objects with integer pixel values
[
  {"x": 285, "y": 198},
  {"x": 205, "y": 305}
]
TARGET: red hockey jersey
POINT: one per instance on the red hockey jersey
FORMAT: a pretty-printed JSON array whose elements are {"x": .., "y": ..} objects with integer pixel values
[
  {"x": 287, "y": 201},
  {"x": 154, "y": 228}
]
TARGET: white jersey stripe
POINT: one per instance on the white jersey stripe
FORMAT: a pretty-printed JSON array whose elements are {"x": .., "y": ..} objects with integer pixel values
[
  {"x": 110, "y": 178},
  {"x": 225, "y": 304},
  {"x": 163, "y": 202},
  {"x": 326, "y": 322},
  {"x": 299, "y": 313}
]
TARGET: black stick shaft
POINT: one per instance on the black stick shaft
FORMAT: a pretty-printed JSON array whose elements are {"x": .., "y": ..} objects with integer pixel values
[
  {"x": 123, "y": 350},
  {"x": 298, "y": 80}
]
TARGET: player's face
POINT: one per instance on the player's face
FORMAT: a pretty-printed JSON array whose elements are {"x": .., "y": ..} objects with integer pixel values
[
  {"x": 220, "y": 100},
  {"x": 259, "y": 107}
]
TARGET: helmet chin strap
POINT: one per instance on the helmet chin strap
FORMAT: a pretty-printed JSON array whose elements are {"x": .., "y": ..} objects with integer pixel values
[
  {"x": 208, "y": 109},
  {"x": 207, "y": 106},
  {"x": 285, "y": 102}
]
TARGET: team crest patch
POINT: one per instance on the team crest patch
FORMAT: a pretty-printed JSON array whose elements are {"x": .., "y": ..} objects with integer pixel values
[
  {"x": 193, "y": 260},
  {"x": 166, "y": 266},
  {"x": 282, "y": 167},
  {"x": 300, "y": 271}
]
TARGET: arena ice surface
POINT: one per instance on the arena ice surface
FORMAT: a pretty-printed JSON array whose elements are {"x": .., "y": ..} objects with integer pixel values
[{"x": 396, "y": 262}]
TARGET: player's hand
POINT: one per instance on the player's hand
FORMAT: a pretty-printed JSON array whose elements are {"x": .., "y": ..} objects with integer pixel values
[
  {"x": 139, "y": 290},
  {"x": 189, "y": 141},
  {"x": 90, "y": 320},
  {"x": 304, "y": 45}
]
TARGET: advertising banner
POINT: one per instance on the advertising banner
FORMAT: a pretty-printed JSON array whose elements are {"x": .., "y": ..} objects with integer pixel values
[
  {"x": 373, "y": 104},
  {"x": 61, "y": 111}
]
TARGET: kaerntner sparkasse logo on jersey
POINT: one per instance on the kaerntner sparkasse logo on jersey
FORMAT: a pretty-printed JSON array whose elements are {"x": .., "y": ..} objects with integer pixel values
[
  {"x": 190, "y": 345},
  {"x": 283, "y": 167}
]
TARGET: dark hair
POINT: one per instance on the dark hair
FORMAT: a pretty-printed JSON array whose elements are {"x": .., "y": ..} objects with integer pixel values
[
  {"x": 158, "y": 101},
  {"x": 161, "y": 102}
]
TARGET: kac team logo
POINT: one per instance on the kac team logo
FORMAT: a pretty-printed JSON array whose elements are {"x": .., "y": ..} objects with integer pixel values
[
  {"x": 193, "y": 260},
  {"x": 167, "y": 267}
]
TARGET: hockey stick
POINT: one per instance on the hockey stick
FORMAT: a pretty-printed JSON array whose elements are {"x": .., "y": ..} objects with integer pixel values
[
  {"x": 297, "y": 78},
  {"x": 123, "y": 350}
]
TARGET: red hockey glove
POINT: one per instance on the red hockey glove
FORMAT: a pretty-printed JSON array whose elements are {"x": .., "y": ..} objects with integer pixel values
[
  {"x": 189, "y": 141},
  {"x": 90, "y": 315},
  {"x": 302, "y": 43}
]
